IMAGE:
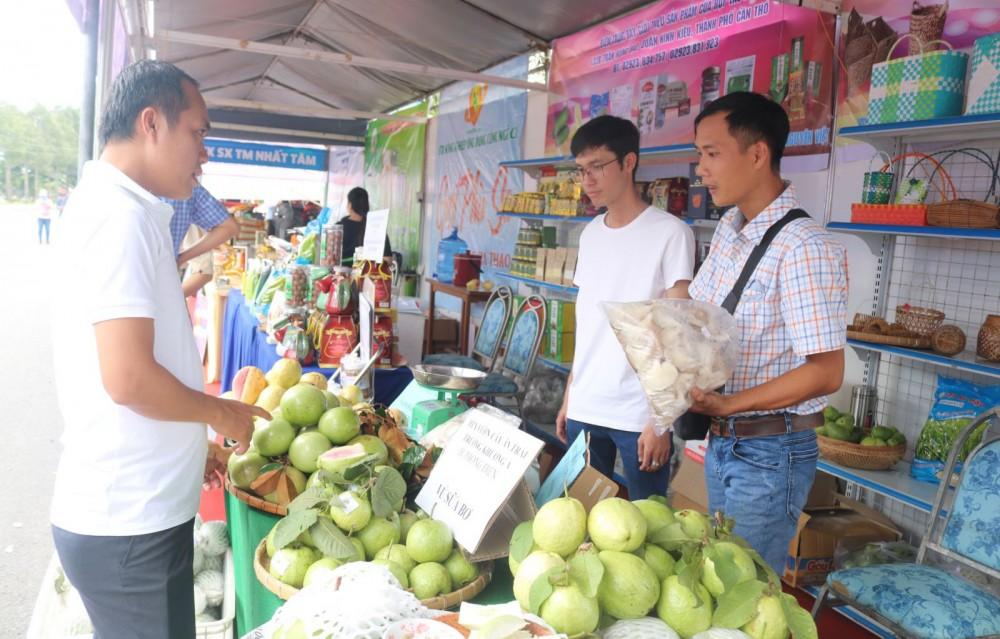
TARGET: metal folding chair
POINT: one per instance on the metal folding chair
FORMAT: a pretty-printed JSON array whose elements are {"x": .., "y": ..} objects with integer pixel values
[{"x": 496, "y": 315}]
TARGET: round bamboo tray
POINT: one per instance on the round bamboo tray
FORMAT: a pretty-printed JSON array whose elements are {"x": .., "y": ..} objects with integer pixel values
[
  {"x": 890, "y": 340},
  {"x": 254, "y": 501},
  {"x": 858, "y": 456},
  {"x": 441, "y": 602}
]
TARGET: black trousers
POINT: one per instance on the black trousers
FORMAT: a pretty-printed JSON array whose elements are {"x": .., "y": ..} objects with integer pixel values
[{"x": 138, "y": 587}]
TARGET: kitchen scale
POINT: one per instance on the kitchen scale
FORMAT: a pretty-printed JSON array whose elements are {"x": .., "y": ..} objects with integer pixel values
[{"x": 450, "y": 382}]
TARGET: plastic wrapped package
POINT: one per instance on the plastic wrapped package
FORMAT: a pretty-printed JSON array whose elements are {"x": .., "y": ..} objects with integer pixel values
[
  {"x": 674, "y": 346},
  {"x": 544, "y": 397}
]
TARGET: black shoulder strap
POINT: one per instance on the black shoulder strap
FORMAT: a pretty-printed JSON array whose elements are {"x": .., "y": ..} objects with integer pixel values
[{"x": 755, "y": 256}]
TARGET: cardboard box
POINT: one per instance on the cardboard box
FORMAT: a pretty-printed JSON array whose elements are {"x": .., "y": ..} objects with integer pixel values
[
  {"x": 560, "y": 345},
  {"x": 562, "y": 315},
  {"x": 444, "y": 333},
  {"x": 554, "y": 263},
  {"x": 574, "y": 472},
  {"x": 541, "y": 258},
  {"x": 569, "y": 269},
  {"x": 822, "y": 530},
  {"x": 688, "y": 486}
]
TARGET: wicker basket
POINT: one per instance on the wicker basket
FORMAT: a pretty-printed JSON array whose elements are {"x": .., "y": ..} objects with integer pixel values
[
  {"x": 988, "y": 341},
  {"x": 254, "y": 501},
  {"x": 948, "y": 340},
  {"x": 858, "y": 456},
  {"x": 441, "y": 602},
  {"x": 863, "y": 322},
  {"x": 966, "y": 214},
  {"x": 895, "y": 214},
  {"x": 922, "y": 321}
]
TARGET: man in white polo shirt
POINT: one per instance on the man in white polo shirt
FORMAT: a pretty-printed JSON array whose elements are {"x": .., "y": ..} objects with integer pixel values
[{"x": 127, "y": 371}]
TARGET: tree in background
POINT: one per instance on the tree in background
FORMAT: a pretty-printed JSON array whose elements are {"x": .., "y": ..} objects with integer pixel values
[{"x": 37, "y": 149}]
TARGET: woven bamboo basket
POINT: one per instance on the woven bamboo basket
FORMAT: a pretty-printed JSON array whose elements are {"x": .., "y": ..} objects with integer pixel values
[
  {"x": 254, "y": 501},
  {"x": 442, "y": 602},
  {"x": 948, "y": 340},
  {"x": 858, "y": 456},
  {"x": 967, "y": 214},
  {"x": 920, "y": 320},
  {"x": 988, "y": 340}
]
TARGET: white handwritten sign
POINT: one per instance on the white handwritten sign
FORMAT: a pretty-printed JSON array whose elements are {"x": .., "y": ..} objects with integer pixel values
[
  {"x": 472, "y": 481},
  {"x": 376, "y": 226}
]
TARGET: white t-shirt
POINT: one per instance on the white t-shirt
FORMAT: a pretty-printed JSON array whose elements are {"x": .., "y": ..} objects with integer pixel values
[
  {"x": 120, "y": 473},
  {"x": 629, "y": 264}
]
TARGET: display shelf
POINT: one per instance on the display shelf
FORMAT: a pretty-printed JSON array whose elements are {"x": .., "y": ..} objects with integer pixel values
[
  {"x": 965, "y": 361},
  {"x": 856, "y": 616},
  {"x": 559, "y": 288},
  {"x": 916, "y": 231},
  {"x": 534, "y": 166},
  {"x": 962, "y": 127},
  {"x": 557, "y": 218},
  {"x": 895, "y": 483},
  {"x": 562, "y": 367}
]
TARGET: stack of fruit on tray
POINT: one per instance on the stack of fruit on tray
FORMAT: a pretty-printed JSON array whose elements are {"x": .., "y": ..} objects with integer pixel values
[
  {"x": 355, "y": 512},
  {"x": 843, "y": 441},
  {"x": 639, "y": 569},
  {"x": 211, "y": 541},
  {"x": 310, "y": 425}
]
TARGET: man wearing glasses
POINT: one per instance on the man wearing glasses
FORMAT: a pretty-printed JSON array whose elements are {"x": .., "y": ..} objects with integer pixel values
[{"x": 633, "y": 252}]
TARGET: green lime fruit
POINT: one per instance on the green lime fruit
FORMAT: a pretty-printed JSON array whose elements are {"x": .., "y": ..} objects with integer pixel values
[
  {"x": 533, "y": 567},
  {"x": 570, "y": 612},
  {"x": 378, "y": 534},
  {"x": 302, "y": 405},
  {"x": 834, "y": 431},
  {"x": 846, "y": 420},
  {"x": 340, "y": 425},
  {"x": 656, "y": 514},
  {"x": 373, "y": 446},
  {"x": 769, "y": 622},
  {"x": 830, "y": 413},
  {"x": 629, "y": 588},
  {"x": 429, "y": 540},
  {"x": 687, "y": 611},
  {"x": 306, "y": 449},
  {"x": 822, "y": 430},
  {"x": 615, "y": 524},
  {"x": 321, "y": 571},
  {"x": 406, "y": 520},
  {"x": 397, "y": 571},
  {"x": 560, "y": 526},
  {"x": 398, "y": 554},
  {"x": 244, "y": 469},
  {"x": 882, "y": 432},
  {"x": 461, "y": 570},
  {"x": 661, "y": 561},
  {"x": 272, "y": 438},
  {"x": 897, "y": 439},
  {"x": 351, "y": 512},
  {"x": 289, "y": 565}
]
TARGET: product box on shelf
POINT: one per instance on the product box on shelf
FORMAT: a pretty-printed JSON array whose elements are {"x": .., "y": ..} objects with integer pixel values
[
  {"x": 554, "y": 262},
  {"x": 562, "y": 315},
  {"x": 822, "y": 529},
  {"x": 569, "y": 268},
  {"x": 541, "y": 260},
  {"x": 560, "y": 345}
]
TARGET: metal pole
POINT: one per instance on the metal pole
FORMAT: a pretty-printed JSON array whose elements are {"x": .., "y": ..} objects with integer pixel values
[{"x": 85, "y": 144}]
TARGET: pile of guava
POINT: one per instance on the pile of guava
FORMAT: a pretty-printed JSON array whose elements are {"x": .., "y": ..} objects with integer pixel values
[{"x": 625, "y": 562}]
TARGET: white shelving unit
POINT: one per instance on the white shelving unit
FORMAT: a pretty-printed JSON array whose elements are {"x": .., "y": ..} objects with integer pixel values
[{"x": 950, "y": 269}]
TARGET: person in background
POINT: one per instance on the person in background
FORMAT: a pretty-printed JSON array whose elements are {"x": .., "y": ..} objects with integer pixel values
[
  {"x": 762, "y": 452},
  {"x": 127, "y": 372},
  {"x": 206, "y": 212},
  {"x": 61, "y": 195},
  {"x": 633, "y": 252},
  {"x": 44, "y": 215},
  {"x": 354, "y": 225},
  {"x": 198, "y": 271}
]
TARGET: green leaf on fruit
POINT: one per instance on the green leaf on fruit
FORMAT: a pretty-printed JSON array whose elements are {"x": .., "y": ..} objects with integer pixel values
[
  {"x": 671, "y": 537},
  {"x": 412, "y": 458},
  {"x": 362, "y": 467},
  {"x": 292, "y": 525},
  {"x": 800, "y": 621},
  {"x": 266, "y": 468},
  {"x": 388, "y": 491},
  {"x": 690, "y": 575},
  {"x": 311, "y": 498},
  {"x": 737, "y": 606},
  {"x": 540, "y": 590},
  {"x": 521, "y": 542},
  {"x": 587, "y": 571},
  {"x": 725, "y": 569},
  {"x": 331, "y": 541},
  {"x": 772, "y": 577}
]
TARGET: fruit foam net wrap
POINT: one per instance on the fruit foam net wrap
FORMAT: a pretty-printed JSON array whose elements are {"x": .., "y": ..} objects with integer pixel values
[{"x": 675, "y": 345}]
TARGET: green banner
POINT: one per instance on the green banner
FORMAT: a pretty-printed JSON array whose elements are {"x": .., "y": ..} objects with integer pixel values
[{"x": 394, "y": 171}]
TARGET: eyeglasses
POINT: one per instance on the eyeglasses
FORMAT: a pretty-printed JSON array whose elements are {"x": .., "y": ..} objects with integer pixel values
[{"x": 593, "y": 171}]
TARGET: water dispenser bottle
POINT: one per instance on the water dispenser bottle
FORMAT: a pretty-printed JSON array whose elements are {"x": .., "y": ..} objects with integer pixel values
[{"x": 448, "y": 248}]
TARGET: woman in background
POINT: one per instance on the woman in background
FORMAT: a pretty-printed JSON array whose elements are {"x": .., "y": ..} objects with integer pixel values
[
  {"x": 354, "y": 225},
  {"x": 44, "y": 214}
]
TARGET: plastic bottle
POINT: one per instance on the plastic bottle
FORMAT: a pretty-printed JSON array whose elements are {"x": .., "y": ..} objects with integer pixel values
[{"x": 448, "y": 248}]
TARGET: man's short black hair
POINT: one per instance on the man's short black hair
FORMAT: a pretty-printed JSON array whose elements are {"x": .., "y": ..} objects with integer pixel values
[
  {"x": 619, "y": 135},
  {"x": 146, "y": 83},
  {"x": 751, "y": 118}
]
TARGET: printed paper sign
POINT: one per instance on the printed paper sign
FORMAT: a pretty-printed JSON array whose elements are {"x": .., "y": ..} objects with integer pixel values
[
  {"x": 474, "y": 477},
  {"x": 376, "y": 225}
]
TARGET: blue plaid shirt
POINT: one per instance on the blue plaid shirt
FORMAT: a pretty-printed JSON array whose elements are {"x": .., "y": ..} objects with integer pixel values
[{"x": 201, "y": 209}]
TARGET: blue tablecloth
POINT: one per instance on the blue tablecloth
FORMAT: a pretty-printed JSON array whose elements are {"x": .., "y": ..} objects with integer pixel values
[{"x": 244, "y": 344}]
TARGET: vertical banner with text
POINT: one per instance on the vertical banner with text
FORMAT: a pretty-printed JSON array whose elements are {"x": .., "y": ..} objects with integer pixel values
[
  {"x": 661, "y": 65},
  {"x": 479, "y": 126},
  {"x": 394, "y": 169}
]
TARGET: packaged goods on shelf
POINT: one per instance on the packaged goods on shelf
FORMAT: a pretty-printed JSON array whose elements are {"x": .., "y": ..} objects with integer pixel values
[{"x": 562, "y": 315}]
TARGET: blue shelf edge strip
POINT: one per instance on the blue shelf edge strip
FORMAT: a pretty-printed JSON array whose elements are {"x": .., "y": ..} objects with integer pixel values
[
  {"x": 558, "y": 366},
  {"x": 872, "y": 485},
  {"x": 992, "y": 370},
  {"x": 904, "y": 127},
  {"x": 572, "y": 290},
  {"x": 672, "y": 149},
  {"x": 538, "y": 216},
  {"x": 929, "y": 231}
]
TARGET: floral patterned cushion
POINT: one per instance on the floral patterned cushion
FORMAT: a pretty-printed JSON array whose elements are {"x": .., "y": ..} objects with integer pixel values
[
  {"x": 453, "y": 359},
  {"x": 491, "y": 329},
  {"x": 974, "y": 527},
  {"x": 522, "y": 342},
  {"x": 922, "y": 600}
]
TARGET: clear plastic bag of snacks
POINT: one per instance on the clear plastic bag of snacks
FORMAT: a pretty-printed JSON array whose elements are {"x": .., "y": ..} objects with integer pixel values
[{"x": 675, "y": 345}]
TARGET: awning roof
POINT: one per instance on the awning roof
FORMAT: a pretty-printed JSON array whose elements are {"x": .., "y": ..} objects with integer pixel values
[{"x": 373, "y": 55}]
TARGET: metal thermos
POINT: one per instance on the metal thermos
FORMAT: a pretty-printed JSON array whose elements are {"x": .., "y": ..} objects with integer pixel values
[{"x": 864, "y": 401}]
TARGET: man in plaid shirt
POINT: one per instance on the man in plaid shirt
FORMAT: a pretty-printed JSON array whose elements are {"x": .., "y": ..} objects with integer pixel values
[
  {"x": 207, "y": 213},
  {"x": 762, "y": 452}
]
